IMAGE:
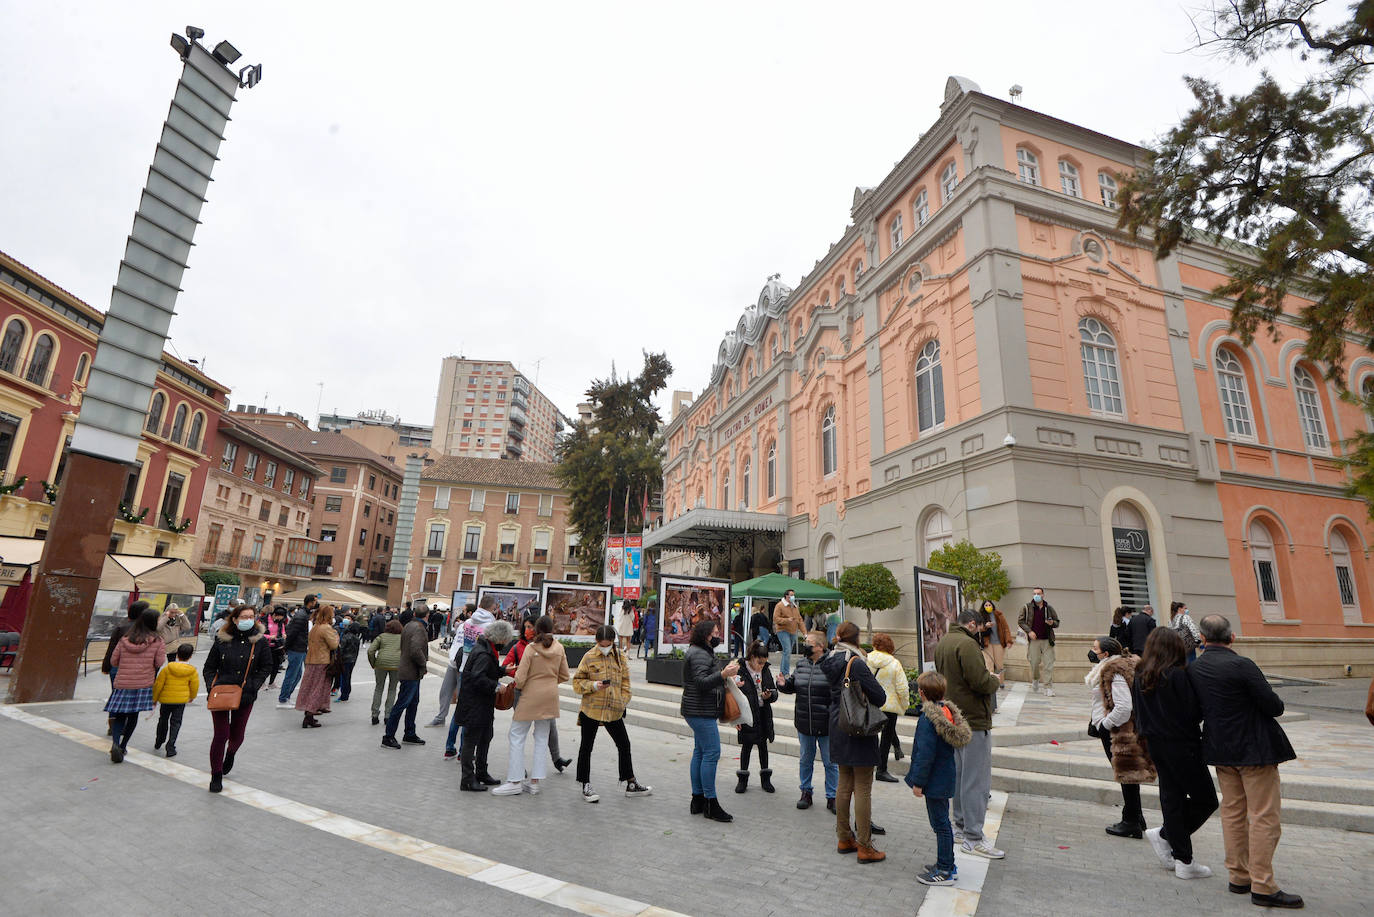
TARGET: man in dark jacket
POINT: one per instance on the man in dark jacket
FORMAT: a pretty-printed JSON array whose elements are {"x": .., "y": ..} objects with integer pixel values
[
  {"x": 1038, "y": 621},
  {"x": 972, "y": 688},
  {"x": 811, "y": 716},
  {"x": 1242, "y": 739},
  {"x": 414, "y": 660},
  {"x": 1139, "y": 628},
  {"x": 297, "y": 639}
]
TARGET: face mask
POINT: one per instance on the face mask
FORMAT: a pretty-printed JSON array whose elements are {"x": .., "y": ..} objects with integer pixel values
[
  {"x": 605, "y": 650},
  {"x": 715, "y": 642},
  {"x": 246, "y": 625},
  {"x": 1092, "y": 657},
  {"x": 1039, "y": 599}
]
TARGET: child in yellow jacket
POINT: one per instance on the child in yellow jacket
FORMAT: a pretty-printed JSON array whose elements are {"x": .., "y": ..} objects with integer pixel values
[{"x": 177, "y": 685}]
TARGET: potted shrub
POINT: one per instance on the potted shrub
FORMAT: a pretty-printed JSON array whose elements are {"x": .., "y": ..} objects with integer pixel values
[
  {"x": 575, "y": 650},
  {"x": 666, "y": 668}
]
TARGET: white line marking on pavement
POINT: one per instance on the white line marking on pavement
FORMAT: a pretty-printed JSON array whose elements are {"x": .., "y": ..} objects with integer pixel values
[
  {"x": 567, "y": 895},
  {"x": 1009, "y": 707}
]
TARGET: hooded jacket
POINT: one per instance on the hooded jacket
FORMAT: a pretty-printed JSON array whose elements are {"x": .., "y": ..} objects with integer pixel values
[
  {"x": 384, "y": 652},
  {"x": 940, "y": 730},
  {"x": 177, "y": 683},
  {"x": 542, "y": 669},
  {"x": 892, "y": 677},
  {"x": 227, "y": 661},
  {"x": 137, "y": 663}
]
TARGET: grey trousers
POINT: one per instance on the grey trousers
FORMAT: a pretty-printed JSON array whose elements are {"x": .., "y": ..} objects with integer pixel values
[
  {"x": 973, "y": 764},
  {"x": 446, "y": 689}
]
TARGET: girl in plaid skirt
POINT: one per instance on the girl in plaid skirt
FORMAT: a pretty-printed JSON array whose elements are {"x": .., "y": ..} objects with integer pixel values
[{"x": 137, "y": 657}]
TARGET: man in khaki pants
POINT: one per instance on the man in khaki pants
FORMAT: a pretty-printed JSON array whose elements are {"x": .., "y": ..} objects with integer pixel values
[
  {"x": 1038, "y": 621},
  {"x": 1241, "y": 738}
]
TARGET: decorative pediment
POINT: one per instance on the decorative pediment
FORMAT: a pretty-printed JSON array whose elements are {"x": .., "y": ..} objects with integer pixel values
[{"x": 772, "y": 303}]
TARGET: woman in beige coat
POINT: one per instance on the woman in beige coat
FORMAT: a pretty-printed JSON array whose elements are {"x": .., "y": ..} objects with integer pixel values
[
  {"x": 174, "y": 628},
  {"x": 543, "y": 667},
  {"x": 313, "y": 697}
]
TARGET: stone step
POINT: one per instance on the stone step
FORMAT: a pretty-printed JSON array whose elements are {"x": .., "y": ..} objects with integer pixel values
[{"x": 1313, "y": 813}]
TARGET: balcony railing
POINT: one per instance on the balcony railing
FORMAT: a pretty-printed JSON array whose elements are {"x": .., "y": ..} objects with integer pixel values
[
  {"x": 435, "y": 553},
  {"x": 35, "y": 372},
  {"x": 377, "y": 576},
  {"x": 508, "y": 557},
  {"x": 541, "y": 556},
  {"x": 471, "y": 555}
]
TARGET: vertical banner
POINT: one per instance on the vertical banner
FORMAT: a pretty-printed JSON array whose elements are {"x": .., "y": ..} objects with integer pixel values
[
  {"x": 614, "y": 572},
  {"x": 631, "y": 570}
]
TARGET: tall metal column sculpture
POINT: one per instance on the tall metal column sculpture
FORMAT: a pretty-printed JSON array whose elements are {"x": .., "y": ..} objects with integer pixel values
[
  {"x": 127, "y": 360},
  {"x": 405, "y": 531}
]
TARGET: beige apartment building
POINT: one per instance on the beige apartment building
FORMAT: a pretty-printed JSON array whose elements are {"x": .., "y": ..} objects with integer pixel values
[
  {"x": 354, "y": 506},
  {"x": 484, "y": 521},
  {"x": 383, "y": 433},
  {"x": 487, "y": 409},
  {"x": 255, "y": 512}
]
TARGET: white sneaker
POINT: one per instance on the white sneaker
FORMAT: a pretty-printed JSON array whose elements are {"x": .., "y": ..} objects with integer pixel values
[
  {"x": 507, "y": 789},
  {"x": 982, "y": 849},
  {"x": 635, "y": 788},
  {"x": 530, "y": 787},
  {"x": 1193, "y": 870},
  {"x": 1161, "y": 846},
  {"x": 286, "y": 706},
  {"x": 1049, "y": 692},
  {"x": 588, "y": 794},
  {"x": 958, "y": 837},
  {"x": 1035, "y": 686}
]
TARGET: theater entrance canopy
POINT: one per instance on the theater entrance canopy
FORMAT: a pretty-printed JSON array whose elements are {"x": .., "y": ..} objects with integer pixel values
[{"x": 732, "y": 544}]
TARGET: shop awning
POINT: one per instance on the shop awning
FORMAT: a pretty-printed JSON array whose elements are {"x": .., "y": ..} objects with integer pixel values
[
  {"x": 330, "y": 595},
  {"x": 121, "y": 572},
  {"x": 702, "y": 529},
  {"x": 775, "y": 585}
]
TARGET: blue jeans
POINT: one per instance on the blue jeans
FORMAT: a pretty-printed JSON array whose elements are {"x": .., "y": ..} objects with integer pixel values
[
  {"x": 407, "y": 702},
  {"x": 763, "y": 636},
  {"x": 937, "y": 810},
  {"x": 808, "y": 764},
  {"x": 787, "y": 640},
  {"x": 295, "y": 665},
  {"x": 830, "y": 632},
  {"x": 705, "y": 755}
]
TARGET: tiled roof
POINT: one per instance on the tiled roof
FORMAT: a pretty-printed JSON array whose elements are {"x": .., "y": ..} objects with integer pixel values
[
  {"x": 459, "y": 469},
  {"x": 316, "y": 444}
]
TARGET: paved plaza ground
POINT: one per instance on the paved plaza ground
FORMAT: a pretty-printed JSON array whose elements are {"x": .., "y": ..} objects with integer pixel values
[{"x": 326, "y": 822}]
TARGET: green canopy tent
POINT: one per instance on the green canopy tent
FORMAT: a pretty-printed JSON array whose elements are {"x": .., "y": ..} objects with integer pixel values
[{"x": 773, "y": 585}]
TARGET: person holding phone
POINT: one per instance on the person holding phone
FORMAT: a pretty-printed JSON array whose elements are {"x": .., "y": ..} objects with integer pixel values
[
  {"x": 703, "y": 698},
  {"x": 603, "y": 681}
]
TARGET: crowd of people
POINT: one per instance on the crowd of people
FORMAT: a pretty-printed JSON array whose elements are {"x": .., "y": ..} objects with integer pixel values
[{"x": 1166, "y": 702}]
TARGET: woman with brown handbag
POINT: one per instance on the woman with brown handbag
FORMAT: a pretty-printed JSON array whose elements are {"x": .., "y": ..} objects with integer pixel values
[
  {"x": 313, "y": 697},
  {"x": 238, "y": 657}
]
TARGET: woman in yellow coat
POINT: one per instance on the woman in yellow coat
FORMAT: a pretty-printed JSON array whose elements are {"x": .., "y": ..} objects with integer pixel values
[
  {"x": 892, "y": 676},
  {"x": 603, "y": 680}
]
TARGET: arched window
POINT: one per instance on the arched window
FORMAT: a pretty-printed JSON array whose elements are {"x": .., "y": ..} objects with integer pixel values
[
  {"x": 179, "y": 423},
  {"x": 1068, "y": 179},
  {"x": 894, "y": 231},
  {"x": 920, "y": 208},
  {"x": 744, "y": 484},
  {"x": 82, "y": 365},
  {"x": 1235, "y": 397},
  {"x": 772, "y": 470},
  {"x": 949, "y": 180},
  {"x": 1310, "y": 411},
  {"x": 749, "y": 369},
  {"x": 197, "y": 427},
  {"x": 1262, "y": 558},
  {"x": 155, "y": 413},
  {"x": 1027, "y": 166},
  {"x": 725, "y": 491},
  {"x": 12, "y": 345},
  {"x": 1101, "y": 376},
  {"x": 1345, "y": 578},
  {"x": 772, "y": 348},
  {"x": 1367, "y": 394},
  {"x": 829, "y": 457},
  {"x": 1107, "y": 186},
  {"x": 858, "y": 272},
  {"x": 937, "y": 532},
  {"x": 797, "y": 331},
  {"x": 930, "y": 389},
  {"x": 830, "y": 560},
  {"x": 38, "y": 363}
]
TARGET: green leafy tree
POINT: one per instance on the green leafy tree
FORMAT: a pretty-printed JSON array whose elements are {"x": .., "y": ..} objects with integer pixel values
[
  {"x": 617, "y": 453},
  {"x": 871, "y": 587},
  {"x": 812, "y": 609},
  {"x": 981, "y": 571},
  {"x": 213, "y": 578},
  {"x": 1289, "y": 171}
]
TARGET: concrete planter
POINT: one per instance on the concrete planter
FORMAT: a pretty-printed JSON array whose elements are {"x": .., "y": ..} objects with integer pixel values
[
  {"x": 575, "y": 653},
  {"x": 665, "y": 670}
]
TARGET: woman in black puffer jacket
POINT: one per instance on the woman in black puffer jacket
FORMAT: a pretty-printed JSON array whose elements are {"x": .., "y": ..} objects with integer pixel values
[
  {"x": 238, "y": 656},
  {"x": 811, "y": 716},
  {"x": 476, "y": 706},
  {"x": 703, "y": 688}
]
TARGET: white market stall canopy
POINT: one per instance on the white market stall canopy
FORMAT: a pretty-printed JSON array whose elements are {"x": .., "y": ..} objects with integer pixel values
[{"x": 121, "y": 572}]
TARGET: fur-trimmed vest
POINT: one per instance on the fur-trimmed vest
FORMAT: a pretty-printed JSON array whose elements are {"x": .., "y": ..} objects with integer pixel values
[
  {"x": 1130, "y": 755},
  {"x": 940, "y": 730}
]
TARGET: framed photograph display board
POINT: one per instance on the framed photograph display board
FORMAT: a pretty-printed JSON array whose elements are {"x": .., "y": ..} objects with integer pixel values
[
  {"x": 685, "y": 600},
  {"x": 577, "y": 609},
  {"x": 461, "y": 599},
  {"x": 511, "y": 602},
  {"x": 939, "y": 597}
]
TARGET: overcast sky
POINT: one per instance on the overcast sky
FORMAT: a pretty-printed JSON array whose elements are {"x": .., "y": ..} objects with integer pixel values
[{"x": 557, "y": 184}]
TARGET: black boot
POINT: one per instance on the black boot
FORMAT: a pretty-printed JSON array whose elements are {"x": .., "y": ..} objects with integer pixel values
[
  {"x": 805, "y": 801},
  {"x": 766, "y": 780},
  {"x": 698, "y": 804},
  {"x": 1125, "y": 828},
  {"x": 743, "y": 781},
  {"x": 216, "y": 783},
  {"x": 716, "y": 813},
  {"x": 470, "y": 782},
  {"x": 171, "y": 750},
  {"x": 884, "y": 777}
]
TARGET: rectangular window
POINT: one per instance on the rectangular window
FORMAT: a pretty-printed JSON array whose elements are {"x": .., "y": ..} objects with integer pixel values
[
  {"x": 442, "y": 496},
  {"x": 277, "y": 545},
  {"x": 245, "y": 501},
  {"x": 431, "y": 580},
  {"x": 250, "y": 465},
  {"x": 362, "y": 538},
  {"x": 1267, "y": 581},
  {"x": 536, "y": 578},
  {"x": 171, "y": 501},
  {"x": 288, "y": 478},
  {"x": 338, "y": 474},
  {"x": 478, "y": 501},
  {"x": 541, "y": 547},
  {"x": 284, "y": 516},
  {"x": 546, "y": 504},
  {"x": 222, "y": 493},
  {"x": 212, "y": 541},
  {"x": 573, "y": 540},
  {"x": 236, "y": 546},
  {"x": 324, "y": 564},
  {"x": 435, "y": 546},
  {"x": 329, "y": 534},
  {"x": 472, "y": 543},
  {"x": 372, "y": 482},
  {"x": 512, "y": 503},
  {"x": 269, "y": 477},
  {"x": 467, "y": 579},
  {"x": 367, "y": 510},
  {"x": 265, "y": 511},
  {"x": 305, "y": 486},
  {"x": 507, "y": 551},
  {"x": 333, "y": 504},
  {"x": 386, "y": 542},
  {"x": 258, "y": 542},
  {"x": 130, "y": 494},
  {"x": 231, "y": 453}
]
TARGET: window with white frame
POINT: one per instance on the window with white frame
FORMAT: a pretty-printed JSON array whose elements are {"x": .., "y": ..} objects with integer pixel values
[
  {"x": 1068, "y": 179},
  {"x": 894, "y": 231},
  {"x": 1106, "y": 185},
  {"x": 1262, "y": 558},
  {"x": 1235, "y": 396},
  {"x": 830, "y": 560},
  {"x": 250, "y": 465},
  {"x": 772, "y": 470},
  {"x": 472, "y": 542},
  {"x": 542, "y": 539},
  {"x": 1101, "y": 375},
  {"x": 435, "y": 546},
  {"x": 1345, "y": 578},
  {"x": 477, "y": 501},
  {"x": 772, "y": 347},
  {"x": 830, "y": 462},
  {"x": 930, "y": 388},
  {"x": 231, "y": 453},
  {"x": 546, "y": 504},
  {"x": 920, "y": 208},
  {"x": 1027, "y": 166},
  {"x": 949, "y": 180},
  {"x": 937, "y": 532},
  {"x": 858, "y": 272},
  {"x": 1310, "y": 411},
  {"x": 725, "y": 491},
  {"x": 744, "y": 484},
  {"x": 442, "y": 496}
]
